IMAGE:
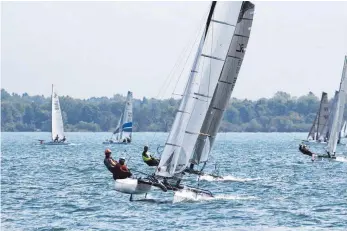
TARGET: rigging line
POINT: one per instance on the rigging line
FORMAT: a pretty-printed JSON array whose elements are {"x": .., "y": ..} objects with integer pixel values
[
  {"x": 170, "y": 77},
  {"x": 185, "y": 64}
]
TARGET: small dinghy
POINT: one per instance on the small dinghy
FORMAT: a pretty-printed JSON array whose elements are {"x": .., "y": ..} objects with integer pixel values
[{"x": 58, "y": 136}]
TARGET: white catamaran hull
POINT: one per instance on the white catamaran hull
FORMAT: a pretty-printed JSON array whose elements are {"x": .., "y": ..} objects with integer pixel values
[
  {"x": 116, "y": 142},
  {"x": 54, "y": 143},
  {"x": 131, "y": 186}
]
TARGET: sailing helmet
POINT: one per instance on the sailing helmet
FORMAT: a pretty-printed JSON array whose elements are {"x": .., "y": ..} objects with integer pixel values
[
  {"x": 108, "y": 151},
  {"x": 121, "y": 160}
]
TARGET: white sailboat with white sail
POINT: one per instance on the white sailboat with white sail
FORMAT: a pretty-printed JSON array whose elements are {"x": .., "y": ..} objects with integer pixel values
[
  {"x": 212, "y": 78},
  {"x": 58, "y": 136},
  {"x": 123, "y": 132}
]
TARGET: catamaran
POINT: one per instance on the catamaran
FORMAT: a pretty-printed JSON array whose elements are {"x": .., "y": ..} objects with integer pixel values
[
  {"x": 58, "y": 136},
  {"x": 212, "y": 78},
  {"x": 123, "y": 132},
  {"x": 337, "y": 116}
]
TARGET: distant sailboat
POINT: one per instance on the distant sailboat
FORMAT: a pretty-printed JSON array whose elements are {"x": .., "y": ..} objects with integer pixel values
[
  {"x": 337, "y": 116},
  {"x": 212, "y": 78},
  {"x": 123, "y": 132},
  {"x": 58, "y": 136},
  {"x": 320, "y": 122}
]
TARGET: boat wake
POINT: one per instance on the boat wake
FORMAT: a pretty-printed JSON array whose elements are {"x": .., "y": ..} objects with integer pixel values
[
  {"x": 341, "y": 159},
  {"x": 227, "y": 178},
  {"x": 189, "y": 196}
]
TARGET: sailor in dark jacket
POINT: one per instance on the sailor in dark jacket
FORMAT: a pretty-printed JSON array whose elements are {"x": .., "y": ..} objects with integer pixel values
[{"x": 304, "y": 150}]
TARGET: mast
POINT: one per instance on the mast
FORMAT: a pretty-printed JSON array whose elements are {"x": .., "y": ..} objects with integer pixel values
[
  {"x": 224, "y": 86},
  {"x": 173, "y": 151}
]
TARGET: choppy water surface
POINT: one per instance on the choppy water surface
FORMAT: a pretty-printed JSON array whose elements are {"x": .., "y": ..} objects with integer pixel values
[{"x": 268, "y": 185}]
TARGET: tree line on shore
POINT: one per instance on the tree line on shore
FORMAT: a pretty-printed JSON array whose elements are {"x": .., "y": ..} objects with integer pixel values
[{"x": 281, "y": 113}]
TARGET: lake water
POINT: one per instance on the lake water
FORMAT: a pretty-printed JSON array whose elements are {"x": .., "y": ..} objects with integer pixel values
[{"x": 269, "y": 186}]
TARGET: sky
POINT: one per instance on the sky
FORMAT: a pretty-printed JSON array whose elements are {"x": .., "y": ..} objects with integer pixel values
[{"x": 93, "y": 49}]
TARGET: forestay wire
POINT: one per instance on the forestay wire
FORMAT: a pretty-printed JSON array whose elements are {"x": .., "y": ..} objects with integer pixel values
[{"x": 170, "y": 77}]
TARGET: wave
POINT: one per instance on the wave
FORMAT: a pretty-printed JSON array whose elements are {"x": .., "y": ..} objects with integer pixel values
[{"x": 227, "y": 178}]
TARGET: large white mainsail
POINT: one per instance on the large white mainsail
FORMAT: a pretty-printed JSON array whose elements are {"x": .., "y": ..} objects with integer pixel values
[
  {"x": 57, "y": 119},
  {"x": 173, "y": 151},
  {"x": 127, "y": 118},
  {"x": 224, "y": 86},
  {"x": 210, "y": 58},
  {"x": 338, "y": 116}
]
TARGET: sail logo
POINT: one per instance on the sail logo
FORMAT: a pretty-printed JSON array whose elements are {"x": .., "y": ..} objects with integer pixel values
[
  {"x": 56, "y": 106},
  {"x": 241, "y": 48}
]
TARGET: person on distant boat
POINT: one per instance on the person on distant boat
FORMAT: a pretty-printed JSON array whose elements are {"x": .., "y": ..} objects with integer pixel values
[
  {"x": 148, "y": 159},
  {"x": 56, "y": 139},
  {"x": 304, "y": 150},
  {"x": 124, "y": 140},
  {"x": 128, "y": 140},
  {"x": 110, "y": 163},
  {"x": 121, "y": 170},
  {"x": 63, "y": 140}
]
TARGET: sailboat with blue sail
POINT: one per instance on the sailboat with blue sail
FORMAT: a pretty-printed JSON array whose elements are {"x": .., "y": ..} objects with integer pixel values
[
  {"x": 123, "y": 132},
  {"x": 213, "y": 75}
]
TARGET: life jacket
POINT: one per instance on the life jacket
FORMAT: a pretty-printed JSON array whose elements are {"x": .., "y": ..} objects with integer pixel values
[{"x": 146, "y": 156}]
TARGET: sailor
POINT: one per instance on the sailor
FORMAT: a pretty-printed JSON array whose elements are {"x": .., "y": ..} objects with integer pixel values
[
  {"x": 110, "y": 163},
  {"x": 56, "y": 139},
  {"x": 124, "y": 140},
  {"x": 148, "y": 159},
  {"x": 304, "y": 150},
  {"x": 121, "y": 170},
  {"x": 63, "y": 140},
  {"x": 128, "y": 140}
]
